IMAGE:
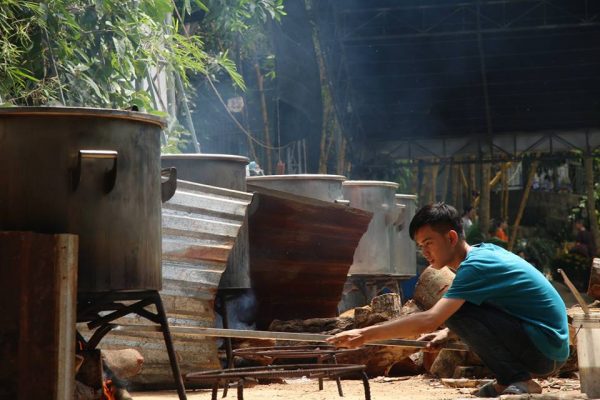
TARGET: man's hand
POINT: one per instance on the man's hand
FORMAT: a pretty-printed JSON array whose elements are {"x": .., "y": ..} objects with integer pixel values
[
  {"x": 436, "y": 339},
  {"x": 349, "y": 339}
]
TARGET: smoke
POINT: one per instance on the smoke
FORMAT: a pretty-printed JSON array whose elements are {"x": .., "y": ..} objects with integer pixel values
[{"x": 241, "y": 310}]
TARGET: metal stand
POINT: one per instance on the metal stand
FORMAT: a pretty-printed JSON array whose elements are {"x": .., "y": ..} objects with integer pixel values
[
  {"x": 90, "y": 305},
  {"x": 278, "y": 371}
]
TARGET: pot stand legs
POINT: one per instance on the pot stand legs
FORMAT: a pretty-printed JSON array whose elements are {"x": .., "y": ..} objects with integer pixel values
[{"x": 91, "y": 304}]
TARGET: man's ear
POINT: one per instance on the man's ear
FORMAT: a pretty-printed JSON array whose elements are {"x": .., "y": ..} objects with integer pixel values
[{"x": 453, "y": 236}]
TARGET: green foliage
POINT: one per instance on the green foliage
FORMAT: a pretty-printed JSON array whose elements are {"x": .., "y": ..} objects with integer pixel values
[
  {"x": 94, "y": 53},
  {"x": 539, "y": 251},
  {"x": 104, "y": 53}
]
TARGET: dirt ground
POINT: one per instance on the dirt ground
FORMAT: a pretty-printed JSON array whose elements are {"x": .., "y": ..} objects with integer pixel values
[{"x": 413, "y": 388}]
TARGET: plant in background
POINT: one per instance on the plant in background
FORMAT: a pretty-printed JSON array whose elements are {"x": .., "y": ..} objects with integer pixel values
[{"x": 110, "y": 53}]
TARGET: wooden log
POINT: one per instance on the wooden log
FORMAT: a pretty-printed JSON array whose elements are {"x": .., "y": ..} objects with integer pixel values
[
  {"x": 382, "y": 308},
  {"x": 431, "y": 286},
  {"x": 123, "y": 363},
  {"x": 38, "y": 292},
  {"x": 313, "y": 325},
  {"x": 446, "y": 362}
]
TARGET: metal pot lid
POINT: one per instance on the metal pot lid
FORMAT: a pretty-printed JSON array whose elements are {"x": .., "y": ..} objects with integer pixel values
[
  {"x": 203, "y": 156},
  {"x": 372, "y": 183},
  {"x": 83, "y": 112},
  {"x": 296, "y": 177}
]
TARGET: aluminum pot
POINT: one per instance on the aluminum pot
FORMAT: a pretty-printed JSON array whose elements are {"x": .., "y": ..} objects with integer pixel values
[
  {"x": 90, "y": 172},
  {"x": 373, "y": 255},
  {"x": 403, "y": 248},
  {"x": 221, "y": 170},
  {"x": 316, "y": 186}
]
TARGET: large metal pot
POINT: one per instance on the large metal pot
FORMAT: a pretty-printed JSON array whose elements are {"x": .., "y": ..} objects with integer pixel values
[
  {"x": 221, "y": 170},
  {"x": 91, "y": 172},
  {"x": 316, "y": 186},
  {"x": 229, "y": 172},
  {"x": 373, "y": 255},
  {"x": 403, "y": 248}
]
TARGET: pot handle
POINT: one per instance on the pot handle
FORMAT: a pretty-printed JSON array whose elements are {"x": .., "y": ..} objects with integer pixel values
[
  {"x": 168, "y": 187},
  {"x": 111, "y": 176}
]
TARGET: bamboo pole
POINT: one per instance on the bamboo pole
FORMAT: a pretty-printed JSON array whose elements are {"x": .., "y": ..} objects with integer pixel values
[
  {"x": 188, "y": 114},
  {"x": 472, "y": 182},
  {"x": 265, "y": 116},
  {"x": 435, "y": 168},
  {"x": 455, "y": 186},
  {"x": 494, "y": 181},
  {"x": 341, "y": 156},
  {"x": 523, "y": 203},
  {"x": 588, "y": 163},
  {"x": 463, "y": 178},
  {"x": 446, "y": 176},
  {"x": 505, "y": 191},
  {"x": 414, "y": 178},
  {"x": 497, "y": 178}
]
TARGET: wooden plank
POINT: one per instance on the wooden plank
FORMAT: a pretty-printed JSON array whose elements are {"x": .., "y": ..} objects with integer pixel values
[
  {"x": 292, "y": 336},
  {"x": 38, "y": 293}
]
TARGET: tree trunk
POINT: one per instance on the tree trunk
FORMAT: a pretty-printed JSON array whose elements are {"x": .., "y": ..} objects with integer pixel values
[
  {"x": 341, "y": 157},
  {"x": 588, "y": 162},
  {"x": 515, "y": 228},
  {"x": 265, "y": 116},
  {"x": 484, "y": 206},
  {"x": 435, "y": 168},
  {"x": 505, "y": 191},
  {"x": 330, "y": 120},
  {"x": 456, "y": 187}
]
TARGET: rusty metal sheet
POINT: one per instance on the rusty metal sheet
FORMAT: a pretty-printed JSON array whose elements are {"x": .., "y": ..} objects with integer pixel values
[
  {"x": 200, "y": 224},
  {"x": 300, "y": 252}
]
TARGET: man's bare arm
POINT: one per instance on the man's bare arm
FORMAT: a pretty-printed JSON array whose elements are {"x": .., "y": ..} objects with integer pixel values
[{"x": 407, "y": 326}]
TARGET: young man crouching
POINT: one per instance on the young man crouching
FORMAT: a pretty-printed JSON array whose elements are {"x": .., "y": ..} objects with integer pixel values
[{"x": 501, "y": 306}]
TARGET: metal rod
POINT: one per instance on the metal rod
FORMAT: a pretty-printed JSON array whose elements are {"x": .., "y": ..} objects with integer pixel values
[
  {"x": 164, "y": 328},
  {"x": 293, "y": 336}
]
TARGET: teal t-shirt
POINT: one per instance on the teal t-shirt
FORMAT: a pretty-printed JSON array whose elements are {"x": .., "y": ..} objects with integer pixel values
[{"x": 489, "y": 274}]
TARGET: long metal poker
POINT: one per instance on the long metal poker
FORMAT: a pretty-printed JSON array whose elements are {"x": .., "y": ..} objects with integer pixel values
[{"x": 293, "y": 336}]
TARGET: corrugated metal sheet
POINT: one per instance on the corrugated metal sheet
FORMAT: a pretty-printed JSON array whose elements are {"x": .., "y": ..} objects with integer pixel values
[
  {"x": 199, "y": 228},
  {"x": 300, "y": 252}
]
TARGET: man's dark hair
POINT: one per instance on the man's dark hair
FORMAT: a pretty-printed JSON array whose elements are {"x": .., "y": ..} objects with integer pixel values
[{"x": 441, "y": 217}]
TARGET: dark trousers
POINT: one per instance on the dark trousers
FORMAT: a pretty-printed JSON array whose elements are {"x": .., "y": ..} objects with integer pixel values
[{"x": 501, "y": 342}]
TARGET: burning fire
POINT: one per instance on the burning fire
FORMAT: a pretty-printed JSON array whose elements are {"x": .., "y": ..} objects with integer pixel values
[{"x": 108, "y": 390}]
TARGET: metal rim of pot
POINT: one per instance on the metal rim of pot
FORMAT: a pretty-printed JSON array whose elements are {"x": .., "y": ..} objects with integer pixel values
[
  {"x": 297, "y": 177},
  {"x": 406, "y": 196},
  {"x": 206, "y": 156},
  {"x": 84, "y": 112},
  {"x": 371, "y": 183}
]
